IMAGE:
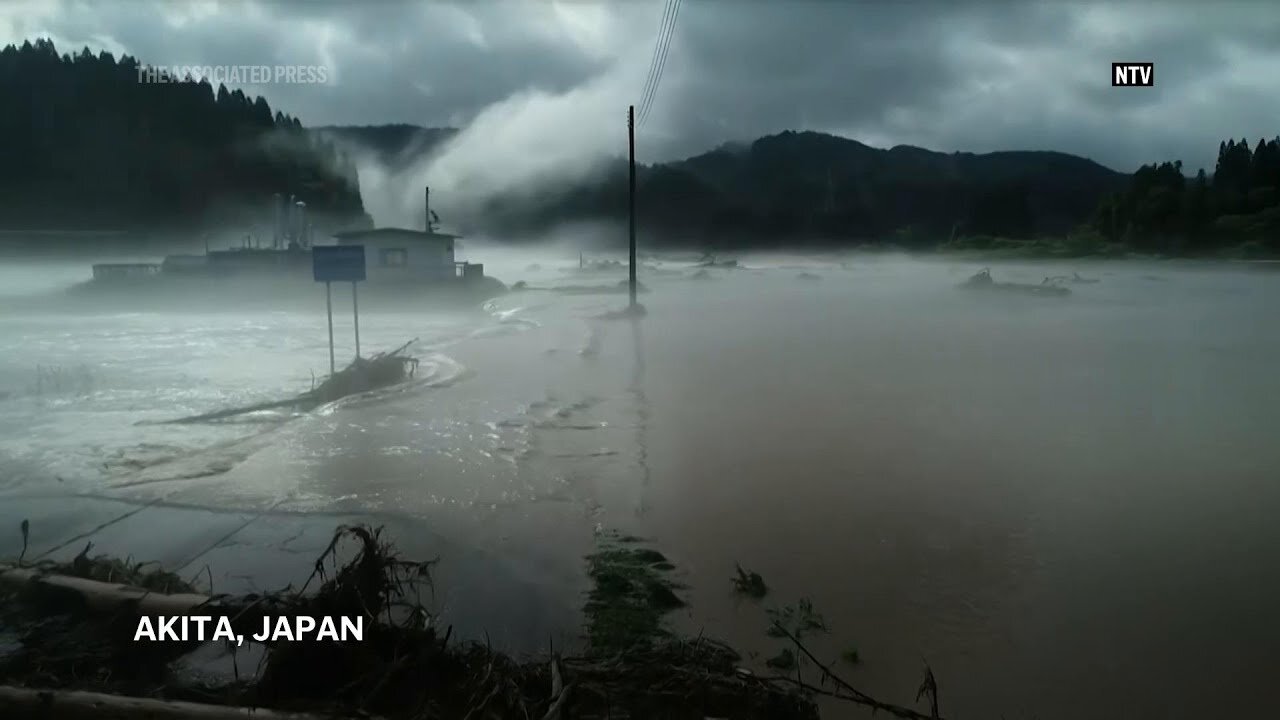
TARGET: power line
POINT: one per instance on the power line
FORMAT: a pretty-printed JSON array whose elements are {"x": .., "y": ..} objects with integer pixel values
[
  {"x": 662, "y": 63},
  {"x": 667, "y": 13}
]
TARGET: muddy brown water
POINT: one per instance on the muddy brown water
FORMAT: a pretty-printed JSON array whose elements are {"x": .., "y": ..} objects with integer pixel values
[{"x": 1065, "y": 505}]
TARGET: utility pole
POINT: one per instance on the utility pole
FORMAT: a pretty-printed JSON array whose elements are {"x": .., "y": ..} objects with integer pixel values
[{"x": 631, "y": 147}]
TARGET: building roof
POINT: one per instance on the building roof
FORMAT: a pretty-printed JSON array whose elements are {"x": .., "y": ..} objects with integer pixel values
[{"x": 400, "y": 232}]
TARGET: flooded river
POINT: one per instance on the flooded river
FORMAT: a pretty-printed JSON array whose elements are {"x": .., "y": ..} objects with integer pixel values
[{"x": 1066, "y": 506}]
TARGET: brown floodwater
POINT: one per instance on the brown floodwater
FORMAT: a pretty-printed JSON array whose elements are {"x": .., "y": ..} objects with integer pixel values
[{"x": 1065, "y": 506}]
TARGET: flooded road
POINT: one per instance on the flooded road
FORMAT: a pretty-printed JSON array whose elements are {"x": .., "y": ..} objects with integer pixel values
[{"x": 1064, "y": 505}]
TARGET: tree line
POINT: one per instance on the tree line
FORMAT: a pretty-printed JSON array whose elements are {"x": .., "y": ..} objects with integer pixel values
[
  {"x": 90, "y": 145},
  {"x": 1162, "y": 211}
]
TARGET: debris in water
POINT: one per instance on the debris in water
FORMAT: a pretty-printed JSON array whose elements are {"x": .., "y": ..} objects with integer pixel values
[
  {"x": 749, "y": 583},
  {"x": 362, "y": 375},
  {"x": 982, "y": 281}
]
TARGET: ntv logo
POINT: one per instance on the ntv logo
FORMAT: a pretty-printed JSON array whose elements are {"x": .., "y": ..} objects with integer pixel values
[{"x": 1133, "y": 74}]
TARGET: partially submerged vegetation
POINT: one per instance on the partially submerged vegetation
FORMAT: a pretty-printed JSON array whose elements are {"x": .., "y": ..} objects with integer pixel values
[
  {"x": 75, "y": 624},
  {"x": 749, "y": 583},
  {"x": 630, "y": 592}
]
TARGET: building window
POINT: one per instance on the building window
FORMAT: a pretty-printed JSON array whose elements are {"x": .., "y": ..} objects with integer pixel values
[{"x": 393, "y": 257}]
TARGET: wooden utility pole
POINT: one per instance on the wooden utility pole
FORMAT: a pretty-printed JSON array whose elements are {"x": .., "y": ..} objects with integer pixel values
[{"x": 631, "y": 147}]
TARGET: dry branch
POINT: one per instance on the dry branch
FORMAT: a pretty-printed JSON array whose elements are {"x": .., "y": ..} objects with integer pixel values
[{"x": 846, "y": 691}]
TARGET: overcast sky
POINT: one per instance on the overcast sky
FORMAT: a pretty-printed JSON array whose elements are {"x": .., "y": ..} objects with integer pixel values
[{"x": 549, "y": 80}]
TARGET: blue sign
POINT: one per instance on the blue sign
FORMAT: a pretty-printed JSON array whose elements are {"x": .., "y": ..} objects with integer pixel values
[{"x": 337, "y": 263}]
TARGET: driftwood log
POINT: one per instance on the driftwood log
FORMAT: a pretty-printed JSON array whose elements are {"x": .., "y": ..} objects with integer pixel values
[{"x": 17, "y": 703}]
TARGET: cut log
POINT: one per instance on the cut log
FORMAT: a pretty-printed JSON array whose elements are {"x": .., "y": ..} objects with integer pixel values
[
  {"x": 18, "y": 703},
  {"x": 107, "y": 597}
]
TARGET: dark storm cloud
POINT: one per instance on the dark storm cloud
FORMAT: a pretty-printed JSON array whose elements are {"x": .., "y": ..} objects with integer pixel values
[
  {"x": 988, "y": 75},
  {"x": 433, "y": 63},
  {"x": 960, "y": 75}
]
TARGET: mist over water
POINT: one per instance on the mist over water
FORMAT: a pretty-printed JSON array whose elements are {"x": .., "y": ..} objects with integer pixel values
[{"x": 1066, "y": 505}]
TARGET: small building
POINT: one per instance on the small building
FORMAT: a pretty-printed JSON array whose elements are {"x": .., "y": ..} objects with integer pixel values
[{"x": 398, "y": 254}]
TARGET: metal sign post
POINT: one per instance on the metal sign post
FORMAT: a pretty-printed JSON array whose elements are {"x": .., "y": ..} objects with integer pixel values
[
  {"x": 355, "y": 314},
  {"x": 328, "y": 308},
  {"x": 339, "y": 263}
]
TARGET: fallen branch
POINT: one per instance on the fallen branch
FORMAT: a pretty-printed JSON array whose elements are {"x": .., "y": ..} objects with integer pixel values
[{"x": 849, "y": 692}]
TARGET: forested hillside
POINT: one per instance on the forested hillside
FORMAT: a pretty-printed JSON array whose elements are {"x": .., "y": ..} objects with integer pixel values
[
  {"x": 811, "y": 187},
  {"x": 90, "y": 146},
  {"x": 1162, "y": 211}
]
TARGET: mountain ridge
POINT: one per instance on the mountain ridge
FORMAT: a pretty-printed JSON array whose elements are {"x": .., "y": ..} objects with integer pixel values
[{"x": 793, "y": 184}]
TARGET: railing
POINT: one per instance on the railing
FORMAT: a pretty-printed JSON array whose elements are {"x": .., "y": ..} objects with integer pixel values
[{"x": 103, "y": 271}]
